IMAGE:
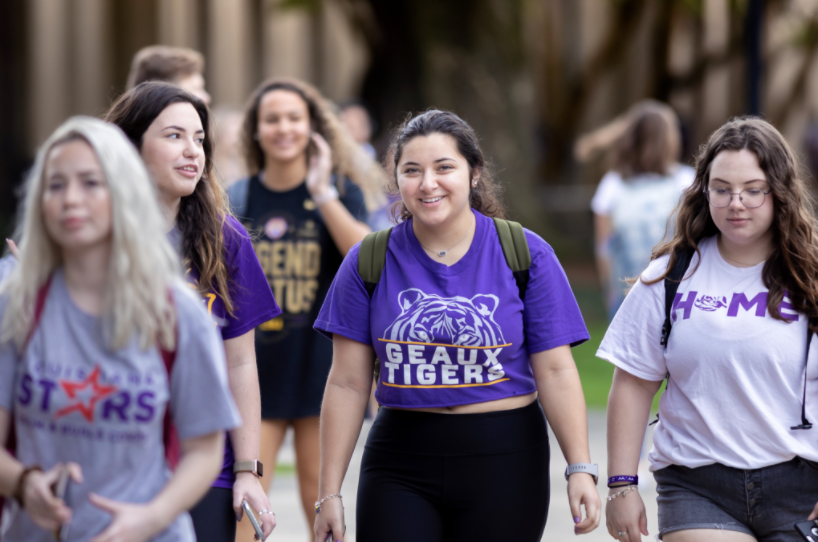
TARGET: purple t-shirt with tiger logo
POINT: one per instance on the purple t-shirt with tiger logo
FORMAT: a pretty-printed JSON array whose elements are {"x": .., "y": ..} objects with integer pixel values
[
  {"x": 253, "y": 304},
  {"x": 454, "y": 335}
]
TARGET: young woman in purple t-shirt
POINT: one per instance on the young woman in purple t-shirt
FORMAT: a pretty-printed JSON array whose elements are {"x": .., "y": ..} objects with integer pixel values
[
  {"x": 459, "y": 449},
  {"x": 171, "y": 129}
]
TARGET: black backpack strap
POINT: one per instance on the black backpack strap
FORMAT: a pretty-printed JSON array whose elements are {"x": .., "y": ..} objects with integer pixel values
[
  {"x": 372, "y": 258},
  {"x": 515, "y": 250},
  {"x": 672, "y": 281},
  {"x": 805, "y": 423}
]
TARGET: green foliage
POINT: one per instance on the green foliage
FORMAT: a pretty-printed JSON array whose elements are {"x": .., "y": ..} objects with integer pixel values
[
  {"x": 310, "y": 6},
  {"x": 596, "y": 374}
]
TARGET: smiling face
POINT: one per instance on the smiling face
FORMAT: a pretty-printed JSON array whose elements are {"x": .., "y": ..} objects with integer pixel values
[
  {"x": 76, "y": 201},
  {"x": 736, "y": 171},
  {"x": 283, "y": 126},
  {"x": 434, "y": 179},
  {"x": 172, "y": 150}
]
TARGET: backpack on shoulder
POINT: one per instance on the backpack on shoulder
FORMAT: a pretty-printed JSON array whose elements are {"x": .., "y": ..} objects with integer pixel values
[{"x": 372, "y": 258}]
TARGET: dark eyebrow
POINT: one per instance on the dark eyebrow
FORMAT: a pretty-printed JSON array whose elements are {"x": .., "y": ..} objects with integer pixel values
[
  {"x": 410, "y": 164},
  {"x": 443, "y": 159},
  {"x": 745, "y": 182},
  {"x": 180, "y": 129}
]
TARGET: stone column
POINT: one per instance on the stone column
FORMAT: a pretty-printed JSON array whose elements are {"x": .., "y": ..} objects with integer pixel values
[
  {"x": 48, "y": 72},
  {"x": 287, "y": 39},
  {"x": 228, "y": 52},
  {"x": 90, "y": 53},
  {"x": 177, "y": 23}
]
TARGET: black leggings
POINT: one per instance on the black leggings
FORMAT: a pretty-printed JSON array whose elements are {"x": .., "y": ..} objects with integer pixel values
[
  {"x": 213, "y": 517},
  {"x": 454, "y": 477}
]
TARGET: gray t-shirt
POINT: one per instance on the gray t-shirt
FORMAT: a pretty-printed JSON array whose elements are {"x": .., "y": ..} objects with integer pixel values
[{"x": 75, "y": 400}]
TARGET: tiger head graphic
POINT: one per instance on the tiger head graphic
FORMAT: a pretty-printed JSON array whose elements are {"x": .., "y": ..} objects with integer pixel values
[{"x": 429, "y": 318}]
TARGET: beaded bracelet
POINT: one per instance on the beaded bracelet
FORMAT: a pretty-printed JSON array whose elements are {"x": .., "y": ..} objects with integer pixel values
[
  {"x": 328, "y": 497},
  {"x": 627, "y": 479},
  {"x": 622, "y": 493}
]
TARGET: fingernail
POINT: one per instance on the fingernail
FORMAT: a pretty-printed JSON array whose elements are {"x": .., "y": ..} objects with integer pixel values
[
  {"x": 238, "y": 517},
  {"x": 576, "y": 519}
]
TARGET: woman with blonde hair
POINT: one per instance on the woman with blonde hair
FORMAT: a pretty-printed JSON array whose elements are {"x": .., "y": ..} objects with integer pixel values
[
  {"x": 635, "y": 198},
  {"x": 103, "y": 346},
  {"x": 306, "y": 202},
  {"x": 726, "y": 311}
]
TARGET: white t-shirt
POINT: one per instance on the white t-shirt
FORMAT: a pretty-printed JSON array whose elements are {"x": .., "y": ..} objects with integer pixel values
[
  {"x": 612, "y": 183},
  {"x": 736, "y": 374}
]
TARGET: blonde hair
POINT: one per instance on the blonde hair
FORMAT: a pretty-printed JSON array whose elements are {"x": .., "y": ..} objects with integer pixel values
[
  {"x": 143, "y": 265},
  {"x": 348, "y": 157}
]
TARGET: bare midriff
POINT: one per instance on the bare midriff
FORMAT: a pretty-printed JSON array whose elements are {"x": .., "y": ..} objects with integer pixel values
[{"x": 507, "y": 403}]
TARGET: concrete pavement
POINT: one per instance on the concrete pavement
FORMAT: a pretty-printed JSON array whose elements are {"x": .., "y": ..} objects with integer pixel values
[{"x": 293, "y": 526}]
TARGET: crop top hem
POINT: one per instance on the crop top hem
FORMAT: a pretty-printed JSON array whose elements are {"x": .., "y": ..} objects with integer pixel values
[{"x": 445, "y": 405}]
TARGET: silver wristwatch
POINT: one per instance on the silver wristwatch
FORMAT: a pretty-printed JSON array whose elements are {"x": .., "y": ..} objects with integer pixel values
[{"x": 592, "y": 469}]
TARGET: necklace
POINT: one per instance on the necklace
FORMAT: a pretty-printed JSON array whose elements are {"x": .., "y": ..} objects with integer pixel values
[{"x": 442, "y": 253}]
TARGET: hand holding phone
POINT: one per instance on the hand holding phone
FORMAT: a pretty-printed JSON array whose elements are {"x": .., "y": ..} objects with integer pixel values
[
  {"x": 253, "y": 520},
  {"x": 60, "y": 490},
  {"x": 808, "y": 530}
]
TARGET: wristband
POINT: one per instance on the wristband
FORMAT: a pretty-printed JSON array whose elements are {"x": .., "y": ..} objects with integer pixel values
[
  {"x": 18, "y": 490},
  {"x": 627, "y": 479},
  {"x": 587, "y": 468},
  {"x": 331, "y": 193}
]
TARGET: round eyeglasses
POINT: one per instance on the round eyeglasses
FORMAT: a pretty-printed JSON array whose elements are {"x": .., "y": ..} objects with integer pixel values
[{"x": 750, "y": 198}]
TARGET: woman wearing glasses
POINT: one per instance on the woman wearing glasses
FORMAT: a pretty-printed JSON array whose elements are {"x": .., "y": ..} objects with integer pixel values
[{"x": 734, "y": 457}]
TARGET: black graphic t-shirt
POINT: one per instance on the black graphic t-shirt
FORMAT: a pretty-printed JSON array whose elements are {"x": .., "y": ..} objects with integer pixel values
[{"x": 300, "y": 260}]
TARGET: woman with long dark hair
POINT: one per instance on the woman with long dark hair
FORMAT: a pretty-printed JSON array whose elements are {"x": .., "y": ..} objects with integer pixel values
[
  {"x": 171, "y": 129},
  {"x": 306, "y": 202},
  {"x": 472, "y": 319},
  {"x": 734, "y": 452}
]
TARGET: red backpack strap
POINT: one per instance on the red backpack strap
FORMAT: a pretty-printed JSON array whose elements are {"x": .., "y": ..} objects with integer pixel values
[
  {"x": 173, "y": 447},
  {"x": 39, "y": 305}
]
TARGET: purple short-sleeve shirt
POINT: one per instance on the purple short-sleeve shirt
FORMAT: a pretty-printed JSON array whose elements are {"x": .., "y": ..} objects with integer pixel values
[
  {"x": 253, "y": 304},
  {"x": 454, "y": 335}
]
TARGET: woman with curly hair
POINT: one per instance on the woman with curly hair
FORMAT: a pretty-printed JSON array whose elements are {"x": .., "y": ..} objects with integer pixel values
[
  {"x": 306, "y": 203},
  {"x": 734, "y": 453}
]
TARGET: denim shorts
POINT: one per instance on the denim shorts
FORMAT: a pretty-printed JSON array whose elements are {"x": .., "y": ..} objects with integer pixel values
[{"x": 764, "y": 503}]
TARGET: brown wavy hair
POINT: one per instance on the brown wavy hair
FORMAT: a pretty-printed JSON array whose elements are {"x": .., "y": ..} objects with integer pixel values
[
  {"x": 486, "y": 197},
  {"x": 792, "y": 267},
  {"x": 651, "y": 142},
  {"x": 348, "y": 157},
  {"x": 202, "y": 214}
]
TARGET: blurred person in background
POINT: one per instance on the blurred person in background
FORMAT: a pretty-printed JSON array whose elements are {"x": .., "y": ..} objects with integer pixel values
[
  {"x": 634, "y": 200},
  {"x": 306, "y": 205},
  {"x": 171, "y": 128},
  {"x": 734, "y": 452},
  {"x": 90, "y": 317},
  {"x": 228, "y": 155},
  {"x": 178, "y": 65},
  {"x": 459, "y": 450}
]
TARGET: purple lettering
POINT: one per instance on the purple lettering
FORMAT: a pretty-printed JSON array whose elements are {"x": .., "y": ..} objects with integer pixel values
[
  {"x": 739, "y": 299},
  {"x": 785, "y": 305},
  {"x": 48, "y": 386},
  {"x": 116, "y": 403},
  {"x": 25, "y": 390},
  {"x": 145, "y": 402},
  {"x": 687, "y": 305}
]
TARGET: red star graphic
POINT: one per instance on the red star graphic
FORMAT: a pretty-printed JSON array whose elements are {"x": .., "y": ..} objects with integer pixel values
[{"x": 71, "y": 389}]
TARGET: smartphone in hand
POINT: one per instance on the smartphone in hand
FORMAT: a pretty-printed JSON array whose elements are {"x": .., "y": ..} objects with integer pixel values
[
  {"x": 808, "y": 530},
  {"x": 60, "y": 490},
  {"x": 253, "y": 520}
]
